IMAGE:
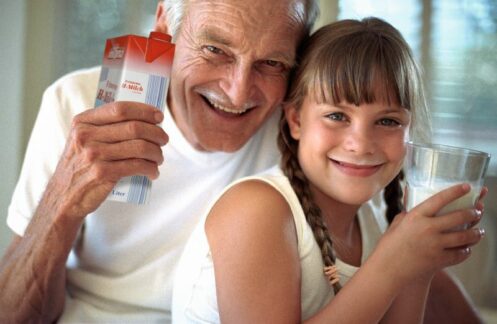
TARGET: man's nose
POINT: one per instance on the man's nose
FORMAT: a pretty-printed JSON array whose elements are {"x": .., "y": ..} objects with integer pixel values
[{"x": 238, "y": 84}]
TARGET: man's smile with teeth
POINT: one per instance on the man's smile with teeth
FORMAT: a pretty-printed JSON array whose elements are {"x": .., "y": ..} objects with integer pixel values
[{"x": 226, "y": 109}]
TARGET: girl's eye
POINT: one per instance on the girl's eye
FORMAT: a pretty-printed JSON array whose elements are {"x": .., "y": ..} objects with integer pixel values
[
  {"x": 388, "y": 122},
  {"x": 336, "y": 116}
]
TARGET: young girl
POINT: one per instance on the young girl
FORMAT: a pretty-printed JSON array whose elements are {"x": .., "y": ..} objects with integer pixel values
[{"x": 278, "y": 247}]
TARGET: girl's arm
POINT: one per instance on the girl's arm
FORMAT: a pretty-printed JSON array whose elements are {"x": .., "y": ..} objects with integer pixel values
[
  {"x": 448, "y": 302},
  {"x": 397, "y": 275},
  {"x": 443, "y": 300},
  {"x": 409, "y": 306},
  {"x": 253, "y": 242}
]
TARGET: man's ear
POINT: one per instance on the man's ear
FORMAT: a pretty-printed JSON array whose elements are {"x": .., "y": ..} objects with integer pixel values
[
  {"x": 292, "y": 115},
  {"x": 161, "y": 19}
]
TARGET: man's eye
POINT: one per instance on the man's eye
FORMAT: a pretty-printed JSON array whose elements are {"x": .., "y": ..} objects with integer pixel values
[
  {"x": 336, "y": 116},
  {"x": 272, "y": 66},
  {"x": 273, "y": 63},
  {"x": 213, "y": 49},
  {"x": 388, "y": 122}
]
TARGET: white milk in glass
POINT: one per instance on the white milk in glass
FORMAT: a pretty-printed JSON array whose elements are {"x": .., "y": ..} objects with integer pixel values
[{"x": 418, "y": 194}]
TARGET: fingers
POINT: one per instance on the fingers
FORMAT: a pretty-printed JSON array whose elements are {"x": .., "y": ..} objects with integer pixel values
[
  {"x": 118, "y": 132},
  {"x": 434, "y": 204},
  {"x": 120, "y": 111},
  {"x": 463, "y": 238},
  {"x": 479, "y": 202},
  {"x": 125, "y": 168},
  {"x": 457, "y": 219},
  {"x": 483, "y": 193},
  {"x": 457, "y": 245},
  {"x": 112, "y": 133},
  {"x": 121, "y": 138},
  {"x": 133, "y": 149},
  {"x": 456, "y": 255}
]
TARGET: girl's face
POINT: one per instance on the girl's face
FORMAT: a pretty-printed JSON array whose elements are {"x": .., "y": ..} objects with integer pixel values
[{"x": 349, "y": 153}]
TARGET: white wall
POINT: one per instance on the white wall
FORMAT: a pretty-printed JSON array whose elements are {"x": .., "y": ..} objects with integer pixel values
[{"x": 12, "y": 24}]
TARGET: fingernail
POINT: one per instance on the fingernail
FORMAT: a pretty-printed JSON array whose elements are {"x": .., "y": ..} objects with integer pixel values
[
  {"x": 466, "y": 250},
  {"x": 477, "y": 213},
  {"x": 480, "y": 231},
  {"x": 479, "y": 206},
  {"x": 158, "y": 116}
]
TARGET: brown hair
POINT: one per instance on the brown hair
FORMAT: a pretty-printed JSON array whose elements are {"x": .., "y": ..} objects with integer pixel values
[{"x": 359, "y": 62}]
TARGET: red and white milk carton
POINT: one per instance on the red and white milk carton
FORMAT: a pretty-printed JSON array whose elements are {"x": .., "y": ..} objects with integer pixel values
[{"x": 135, "y": 68}]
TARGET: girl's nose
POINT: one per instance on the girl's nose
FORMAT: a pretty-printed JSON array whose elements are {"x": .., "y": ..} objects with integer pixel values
[{"x": 360, "y": 140}]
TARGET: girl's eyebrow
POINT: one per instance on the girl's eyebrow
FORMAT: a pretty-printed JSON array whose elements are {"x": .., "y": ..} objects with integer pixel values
[
  {"x": 342, "y": 106},
  {"x": 387, "y": 110},
  {"x": 393, "y": 110}
]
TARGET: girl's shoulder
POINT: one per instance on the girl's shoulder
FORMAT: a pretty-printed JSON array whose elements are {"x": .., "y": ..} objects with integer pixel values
[
  {"x": 252, "y": 241},
  {"x": 249, "y": 202}
]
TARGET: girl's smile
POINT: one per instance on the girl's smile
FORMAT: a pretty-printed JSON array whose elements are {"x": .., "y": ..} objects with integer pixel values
[
  {"x": 349, "y": 152},
  {"x": 356, "y": 170}
]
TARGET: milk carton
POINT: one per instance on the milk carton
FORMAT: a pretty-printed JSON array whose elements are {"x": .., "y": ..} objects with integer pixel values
[{"x": 135, "y": 68}]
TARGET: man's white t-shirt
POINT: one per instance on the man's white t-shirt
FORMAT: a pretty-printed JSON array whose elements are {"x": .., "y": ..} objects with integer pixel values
[{"x": 121, "y": 267}]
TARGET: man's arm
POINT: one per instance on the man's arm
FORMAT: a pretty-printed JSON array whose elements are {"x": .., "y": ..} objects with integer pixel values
[
  {"x": 32, "y": 276},
  {"x": 448, "y": 302},
  {"x": 105, "y": 144}
]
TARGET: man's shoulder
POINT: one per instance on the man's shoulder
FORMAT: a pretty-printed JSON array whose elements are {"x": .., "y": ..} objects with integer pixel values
[
  {"x": 83, "y": 79},
  {"x": 74, "y": 91}
]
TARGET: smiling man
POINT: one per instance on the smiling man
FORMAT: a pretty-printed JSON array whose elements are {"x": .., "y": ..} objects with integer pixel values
[
  {"x": 232, "y": 72},
  {"x": 80, "y": 258}
]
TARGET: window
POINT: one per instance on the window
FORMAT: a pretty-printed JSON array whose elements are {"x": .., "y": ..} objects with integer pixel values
[
  {"x": 464, "y": 74},
  {"x": 88, "y": 23},
  {"x": 455, "y": 41},
  {"x": 456, "y": 44},
  {"x": 405, "y": 15}
]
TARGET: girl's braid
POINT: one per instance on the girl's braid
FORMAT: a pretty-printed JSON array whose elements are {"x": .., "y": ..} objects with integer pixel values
[
  {"x": 393, "y": 197},
  {"x": 291, "y": 168}
]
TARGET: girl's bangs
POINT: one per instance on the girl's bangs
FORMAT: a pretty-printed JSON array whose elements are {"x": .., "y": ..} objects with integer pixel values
[{"x": 359, "y": 74}]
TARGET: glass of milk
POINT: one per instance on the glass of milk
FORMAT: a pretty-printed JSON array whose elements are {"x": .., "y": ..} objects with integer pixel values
[{"x": 431, "y": 168}]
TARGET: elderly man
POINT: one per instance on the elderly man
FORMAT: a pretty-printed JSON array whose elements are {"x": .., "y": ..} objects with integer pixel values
[
  {"x": 82, "y": 258},
  {"x": 79, "y": 258}
]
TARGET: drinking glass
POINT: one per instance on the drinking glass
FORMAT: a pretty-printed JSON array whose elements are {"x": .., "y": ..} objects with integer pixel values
[{"x": 431, "y": 168}]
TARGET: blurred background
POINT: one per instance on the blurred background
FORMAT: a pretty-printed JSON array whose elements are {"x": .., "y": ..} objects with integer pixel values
[{"x": 455, "y": 42}]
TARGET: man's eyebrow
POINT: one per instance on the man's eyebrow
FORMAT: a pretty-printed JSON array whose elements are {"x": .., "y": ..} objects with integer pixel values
[
  {"x": 216, "y": 36},
  {"x": 213, "y": 35},
  {"x": 287, "y": 59}
]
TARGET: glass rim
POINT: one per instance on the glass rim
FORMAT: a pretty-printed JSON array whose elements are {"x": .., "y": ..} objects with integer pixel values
[{"x": 442, "y": 148}]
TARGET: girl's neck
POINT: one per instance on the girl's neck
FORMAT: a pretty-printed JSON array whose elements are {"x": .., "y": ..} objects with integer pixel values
[
  {"x": 338, "y": 216},
  {"x": 343, "y": 227}
]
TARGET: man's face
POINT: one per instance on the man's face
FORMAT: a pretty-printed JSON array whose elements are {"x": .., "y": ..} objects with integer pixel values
[{"x": 231, "y": 67}]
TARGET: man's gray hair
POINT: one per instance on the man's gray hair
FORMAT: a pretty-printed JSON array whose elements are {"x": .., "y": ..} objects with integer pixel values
[{"x": 175, "y": 10}]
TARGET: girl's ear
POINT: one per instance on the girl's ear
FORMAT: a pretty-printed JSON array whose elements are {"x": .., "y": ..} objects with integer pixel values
[
  {"x": 161, "y": 19},
  {"x": 292, "y": 115}
]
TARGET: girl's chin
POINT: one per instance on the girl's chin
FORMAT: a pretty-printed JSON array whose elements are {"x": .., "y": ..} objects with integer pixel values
[{"x": 356, "y": 198}]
